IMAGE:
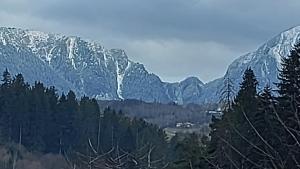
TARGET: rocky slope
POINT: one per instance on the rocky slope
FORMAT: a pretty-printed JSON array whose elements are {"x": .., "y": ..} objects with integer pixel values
[
  {"x": 89, "y": 69},
  {"x": 265, "y": 62}
]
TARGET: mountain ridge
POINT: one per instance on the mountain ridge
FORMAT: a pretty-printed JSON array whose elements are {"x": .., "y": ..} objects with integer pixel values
[
  {"x": 85, "y": 66},
  {"x": 265, "y": 62}
]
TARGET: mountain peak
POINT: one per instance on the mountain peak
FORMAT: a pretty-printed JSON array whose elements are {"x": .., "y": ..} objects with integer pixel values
[
  {"x": 192, "y": 79},
  {"x": 85, "y": 67},
  {"x": 265, "y": 62}
]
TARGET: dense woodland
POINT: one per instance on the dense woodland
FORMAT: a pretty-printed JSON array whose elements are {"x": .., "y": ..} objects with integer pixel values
[
  {"x": 258, "y": 129},
  {"x": 41, "y": 120}
]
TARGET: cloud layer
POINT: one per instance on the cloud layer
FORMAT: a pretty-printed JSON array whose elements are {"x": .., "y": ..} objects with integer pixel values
[{"x": 173, "y": 38}]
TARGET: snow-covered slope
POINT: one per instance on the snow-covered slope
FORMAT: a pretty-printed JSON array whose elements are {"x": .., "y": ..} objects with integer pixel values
[
  {"x": 89, "y": 69},
  {"x": 83, "y": 66},
  {"x": 265, "y": 62}
]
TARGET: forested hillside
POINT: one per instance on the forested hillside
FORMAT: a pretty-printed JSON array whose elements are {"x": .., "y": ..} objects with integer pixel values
[
  {"x": 41, "y": 120},
  {"x": 258, "y": 129}
]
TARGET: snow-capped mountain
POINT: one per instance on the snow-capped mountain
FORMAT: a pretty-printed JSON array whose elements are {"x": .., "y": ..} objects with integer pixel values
[
  {"x": 86, "y": 67},
  {"x": 89, "y": 69},
  {"x": 265, "y": 62}
]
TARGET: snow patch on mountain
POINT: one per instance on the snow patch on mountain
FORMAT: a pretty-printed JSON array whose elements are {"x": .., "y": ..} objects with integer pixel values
[
  {"x": 3, "y": 39},
  {"x": 71, "y": 43},
  {"x": 120, "y": 76},
  {"x": 108, "y": 74},
  {"x": 265, "y": 62},
  {"x": 85, "y": 67}
]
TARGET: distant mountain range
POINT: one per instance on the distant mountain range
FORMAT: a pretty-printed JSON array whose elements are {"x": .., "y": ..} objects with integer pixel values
[{"x": 89, "y": 69}]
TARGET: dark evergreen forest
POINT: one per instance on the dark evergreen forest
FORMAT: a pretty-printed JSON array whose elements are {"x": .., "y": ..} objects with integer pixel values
[
  {"x": 258, "y": 129},
  {"x": 41, "y": 120}
]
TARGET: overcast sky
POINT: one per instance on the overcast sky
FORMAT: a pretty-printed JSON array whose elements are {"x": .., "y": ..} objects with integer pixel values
[{"x": 172, "y": 38}]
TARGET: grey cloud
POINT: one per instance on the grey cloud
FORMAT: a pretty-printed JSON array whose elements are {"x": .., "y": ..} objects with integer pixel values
[
  {"x": 175, "y": 60},
  {"x": 225, "y": 20},
  {"x": 203, "y": 35}
]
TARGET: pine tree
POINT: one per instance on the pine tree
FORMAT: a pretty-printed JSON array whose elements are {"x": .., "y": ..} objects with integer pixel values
[
  {"x": 7, "y": 79},
  {"x": 51, "y": 137},
  {"x": 244, "y": 109},
  {"x": 20, "y": 92},
  {"x": 60, "y": 119},
  {"x": 88, "y": 120},
  {"x": 266, "y": 130},
  {"x": 6, "y": 106},
  {"x": 288, "y": 106},
  {"x": 230, "y": 136},
  {"x": 220, "y": 153},
  {"x": 71, "y": 107},
  {"x": 38, "y": 116},
  {"x": 289, "y": 87}
]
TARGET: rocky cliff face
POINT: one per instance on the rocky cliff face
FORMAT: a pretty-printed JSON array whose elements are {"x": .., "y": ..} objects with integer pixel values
[
  {"x": 89, "y": 69},
  {"x": 83, "y": 66}
]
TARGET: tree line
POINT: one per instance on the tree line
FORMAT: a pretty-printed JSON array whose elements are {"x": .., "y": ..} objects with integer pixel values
[
  {"x": 258, "y": 129},
  {"x": 40, "y": 119}
]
